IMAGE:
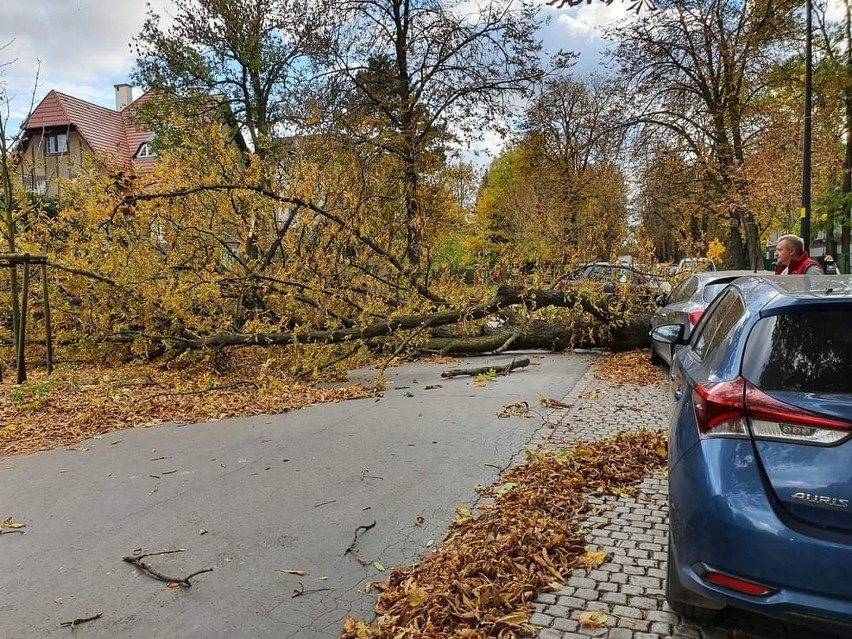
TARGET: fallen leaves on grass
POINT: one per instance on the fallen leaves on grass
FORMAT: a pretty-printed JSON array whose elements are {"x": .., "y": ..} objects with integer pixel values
[
  {"x": 480, "y": 581},
  {"x": 76, "y": 403},
  {"x": 632, "y": 367}
]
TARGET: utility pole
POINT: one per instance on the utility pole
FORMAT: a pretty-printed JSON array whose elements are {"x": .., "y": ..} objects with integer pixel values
[{"x": 806, "y": 151}]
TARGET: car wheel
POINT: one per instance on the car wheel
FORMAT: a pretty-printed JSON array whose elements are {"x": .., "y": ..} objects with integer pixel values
[
  {"x": 677, "y": 595},
  {"x": 656, "y": 360}
]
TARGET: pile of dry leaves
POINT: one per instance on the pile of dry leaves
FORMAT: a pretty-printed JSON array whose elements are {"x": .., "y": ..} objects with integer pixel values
[
  {"x": 632, "y": 367},
  {"x": 77, "y": 402},
  {"x": 479, "y": 582}
]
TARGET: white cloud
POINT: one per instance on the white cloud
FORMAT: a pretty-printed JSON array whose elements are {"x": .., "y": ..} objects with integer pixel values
[
  {"x": 581, "y": 29},
  {"x": 81, "y": 46}
]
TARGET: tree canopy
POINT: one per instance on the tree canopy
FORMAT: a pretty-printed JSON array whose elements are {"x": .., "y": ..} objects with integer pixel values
[{"x": 349, "y": 204}]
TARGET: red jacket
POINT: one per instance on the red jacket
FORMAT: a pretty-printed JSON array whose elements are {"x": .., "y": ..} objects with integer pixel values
[{"x": 799, "y": 265}]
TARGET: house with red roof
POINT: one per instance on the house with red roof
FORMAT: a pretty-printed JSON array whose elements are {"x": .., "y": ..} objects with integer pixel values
[{"x": 62, "y": 130}]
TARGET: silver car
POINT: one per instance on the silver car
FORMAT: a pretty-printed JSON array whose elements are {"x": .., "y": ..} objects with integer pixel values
[{"x": 685, "y": 305}]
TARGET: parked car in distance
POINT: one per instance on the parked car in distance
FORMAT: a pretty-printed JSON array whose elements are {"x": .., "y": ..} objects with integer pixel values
[
  {"x": 760, "y": 452},
  {"x": 685, "y": 305},
  {"x": 692, "y": 265},
  {"x": 612, "y": 278}
]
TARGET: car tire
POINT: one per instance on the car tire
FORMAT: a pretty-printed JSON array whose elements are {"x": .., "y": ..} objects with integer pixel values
[
  {"x": 656, "y": 360},
  {"x": 677, "y": 594}
]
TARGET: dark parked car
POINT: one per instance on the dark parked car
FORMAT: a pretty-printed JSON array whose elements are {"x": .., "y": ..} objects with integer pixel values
[
  {"x": 693, "y": 265},
  {"x": 613, "y": 279},
  {"x": 685, "y": 305},
  {"x": 760, "y": 453}
]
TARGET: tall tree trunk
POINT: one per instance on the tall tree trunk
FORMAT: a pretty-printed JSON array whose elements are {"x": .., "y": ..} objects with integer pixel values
[
  {"x": 846, "y": 218},
  {"x": 412, "y": 212},
  {"x": 737, "y": 250},
  {"x": 8, "y": 209},
  {"x": 753, "y": 252}
]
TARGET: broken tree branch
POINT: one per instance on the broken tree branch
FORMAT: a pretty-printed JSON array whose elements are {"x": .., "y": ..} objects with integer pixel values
[
  {"x": 77, "y": 622},
  {"x": 482, "y": 370},
  {"x": 401, "y": 347},
  {"x": 516, "y": 333},
  {"x": 355, "y": 541},
  {"x": 298, "y": 592},
  {"x": 181, "y": 581}
]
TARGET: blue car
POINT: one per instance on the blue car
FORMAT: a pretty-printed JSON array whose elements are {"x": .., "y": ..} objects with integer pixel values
[{"x": 760, "y": 453}]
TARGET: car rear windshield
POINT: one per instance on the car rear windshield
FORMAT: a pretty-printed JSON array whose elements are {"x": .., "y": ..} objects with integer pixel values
[
  {"x": 807, "y": 351},
  {"x": 712, "y": 290}
]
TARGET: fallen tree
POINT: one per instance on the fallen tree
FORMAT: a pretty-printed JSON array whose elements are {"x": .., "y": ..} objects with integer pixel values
[{"x": 608, "y": 327}]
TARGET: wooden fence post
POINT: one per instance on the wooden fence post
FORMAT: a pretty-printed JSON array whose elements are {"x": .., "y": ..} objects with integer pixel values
[
  {"x": 47, "y": 327},
  {"x": 22, "y": 326}
]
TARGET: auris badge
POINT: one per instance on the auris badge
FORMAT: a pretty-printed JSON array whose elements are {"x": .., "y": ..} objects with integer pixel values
[{"x": 821, "y": 500}]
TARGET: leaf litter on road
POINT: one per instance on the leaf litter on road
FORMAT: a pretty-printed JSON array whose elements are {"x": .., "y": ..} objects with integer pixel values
[
  {"x": 632, "y": 367},
  {"x": 82, "y": 401},
  {"x": 480, "y": 581}
]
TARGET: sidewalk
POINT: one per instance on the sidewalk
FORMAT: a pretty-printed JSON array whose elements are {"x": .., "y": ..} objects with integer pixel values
[{"x": 630, "y": 587}]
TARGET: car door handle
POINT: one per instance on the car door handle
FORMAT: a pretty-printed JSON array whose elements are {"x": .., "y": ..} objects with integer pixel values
[{"x": 677, "y": 384}]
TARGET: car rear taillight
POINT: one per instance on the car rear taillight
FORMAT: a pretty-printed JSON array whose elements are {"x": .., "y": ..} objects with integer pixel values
[
  {"x": 740, "y": 585},
  {"x": 720, "y": 408},
  {"x": 694, "y": 316},
  {"x": 774, "y": 419}
]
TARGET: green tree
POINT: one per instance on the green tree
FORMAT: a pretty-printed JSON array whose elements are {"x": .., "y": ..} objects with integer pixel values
[
  {"x": 836, "y": 44},
  {"x": 572, "y": 136},
  {"x": 431, "y": 73},
  {"x": 696, "y": 70},
  {"x": 256, "y": 54}
]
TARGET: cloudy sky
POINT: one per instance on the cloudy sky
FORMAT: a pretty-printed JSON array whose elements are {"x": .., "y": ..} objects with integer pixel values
[{"x": 82, "y": 47}]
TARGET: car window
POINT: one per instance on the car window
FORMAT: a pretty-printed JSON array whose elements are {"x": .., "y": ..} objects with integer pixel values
[
  {"x": 808, "y": 351},
  {"x": 712, "y": 290},
  {"x": 718, "y": 324},
  {"x": 637, "y": 278},
  {"x": 683, "y": 291},
  {"x": 597, "y": 272}
]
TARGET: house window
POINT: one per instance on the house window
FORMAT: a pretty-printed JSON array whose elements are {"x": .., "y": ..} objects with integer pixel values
[
  {"x": 57, "y": 143},
  {"x": 41, "y": 186},
  {"x": 146, "y": 151},
  {"x": 158, "y": 235}
]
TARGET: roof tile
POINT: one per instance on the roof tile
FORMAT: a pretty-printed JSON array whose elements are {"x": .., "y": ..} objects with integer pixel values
[{"x": 104, "y": 130}]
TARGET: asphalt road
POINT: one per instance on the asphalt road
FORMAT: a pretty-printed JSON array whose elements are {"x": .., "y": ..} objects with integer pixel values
[{"x": 274, "y": 493}]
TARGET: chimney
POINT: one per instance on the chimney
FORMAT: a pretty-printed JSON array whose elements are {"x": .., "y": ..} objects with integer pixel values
[{"x": 123, "y": 96}]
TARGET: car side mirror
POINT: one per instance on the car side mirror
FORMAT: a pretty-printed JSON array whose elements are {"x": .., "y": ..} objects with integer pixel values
[
  {"x": 668, "y": 334},
  {"x": 660, "y": 299}
]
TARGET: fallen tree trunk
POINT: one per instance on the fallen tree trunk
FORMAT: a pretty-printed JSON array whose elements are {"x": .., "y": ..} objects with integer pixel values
[
  {"x": 632, "y": 333},
  {"x": 606, "y": 331}
]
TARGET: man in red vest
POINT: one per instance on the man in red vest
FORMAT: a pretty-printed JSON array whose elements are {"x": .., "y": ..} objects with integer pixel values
[{"x": 793, "y": 259}]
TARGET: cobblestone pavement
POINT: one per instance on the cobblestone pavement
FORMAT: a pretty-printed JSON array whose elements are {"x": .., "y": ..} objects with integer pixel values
[{"x": 630, "y": 587}]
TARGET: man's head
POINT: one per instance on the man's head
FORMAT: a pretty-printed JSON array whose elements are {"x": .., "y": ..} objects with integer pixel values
[{"x": 788, "y": 248}]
